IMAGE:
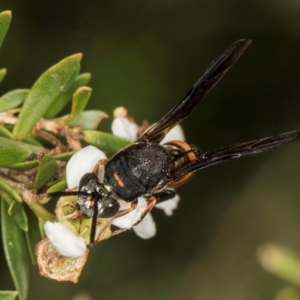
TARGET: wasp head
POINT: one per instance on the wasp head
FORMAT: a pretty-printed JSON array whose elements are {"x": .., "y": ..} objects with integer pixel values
[{"x": 95, "y": 199}]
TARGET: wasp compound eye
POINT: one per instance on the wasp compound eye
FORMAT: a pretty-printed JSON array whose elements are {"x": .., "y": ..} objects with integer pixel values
[
  {"x": 109, "y": 208},
  {"x": 86, "y": 179}
]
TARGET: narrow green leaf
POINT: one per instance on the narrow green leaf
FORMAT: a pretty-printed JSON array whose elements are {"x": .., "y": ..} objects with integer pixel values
[
  {"x": 9, "y": 143},
  {"x": 108, "y": 143},
  {"x": 10, "y": 156},
  {"x": 41, "y": 212},
  {"x": 26, "y": 165},
  {"x": 88, "y": 119},
  {"x": 16, "y": 211},
  {"x": 42, "y": 228},
  {"x": 5, "y": 132},
  {"x": 13, "y": 99},
  {"x": 6, "y": 188},
  {"x": 21, "y": 219},
  {"x": 8, "y": 295},
  {"x": 64, "y": 156},
  {"x": 3, "y": 72},
  {"x": 5, "y": 18},
  {"x": 46, "y": 170},
  {"x": 59, "y": 186},
  {"x": 14, "y": 208},
  {"x": 62, "y": 99},
  {"x": 65, "y": 97},
  {"x": 44, "y": 93},
  {"x": 32, "y": 140},
  {"x": 80, "y": 99},
  {"x": 15, "y": 252},
  {"x": 33, "y": 234}
]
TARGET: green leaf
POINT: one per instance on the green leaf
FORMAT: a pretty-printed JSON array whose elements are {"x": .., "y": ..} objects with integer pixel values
[
  {"x": 108, "y": 143},
  {"x": 41, "y": 212},
  {"x": 42, "y": 227},
  {"x": 33, "y": 234},
  {"x": 89, "y": 119},
  {"x": 66, "y": 96},
  {"x": 64, "y": 156},
  {"x": 16, "y": 211},
  {"x": 5, "y": 18},
  {"x": 21, "y": 219},
  {"x": 26, "y": 165},
  {"x": 15, "y": 252},
  {"x": 9, "y": 143},
  {"x": 59, "y": 186},
  {"x": 80, "y": 99},
  {"x": 32, "y": 140},
  {"x": 10, "y": 156},
  {"x": 8, "y": 295},
  {"x": 13, "y": 99},
  {"x": 44, "y": 93},
  {"x": 6, "y": 188},
  {"x": 46, "y": 170},
  {"x": 14, "y": 208},
  {"x": 3, "y": 72},
  {"x": 5, "y": 132}
]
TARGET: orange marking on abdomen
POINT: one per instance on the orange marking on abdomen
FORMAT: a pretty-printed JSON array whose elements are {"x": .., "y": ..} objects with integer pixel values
[
  {"x": 191, "y": 157},
  {"x": 186, "y": 147},
  {"x": 119, "y": 180}
]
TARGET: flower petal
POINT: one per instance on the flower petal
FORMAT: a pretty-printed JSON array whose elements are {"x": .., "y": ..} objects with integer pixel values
[
  {"x": 169, "y": 205},
  {"x": 64, "y": 240},
  {"x": 82, "y": 162},
  {"x": 122, "y": 127},
  {"x": 147, "y": 228},
  {"x": 175, "y": 134},
  {"x": 127, "y": 221}
]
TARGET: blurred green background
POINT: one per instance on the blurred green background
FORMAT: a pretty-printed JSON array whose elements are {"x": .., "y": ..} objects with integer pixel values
[{"x": 145, "y": 55}]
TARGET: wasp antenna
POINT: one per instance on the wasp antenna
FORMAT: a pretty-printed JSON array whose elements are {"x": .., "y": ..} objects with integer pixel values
[
  {"x": 67, "y": 193},
  {"x": 94, "y": 224}
]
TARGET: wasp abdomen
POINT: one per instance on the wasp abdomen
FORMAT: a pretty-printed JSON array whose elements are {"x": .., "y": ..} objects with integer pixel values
[{"x": 182, "y": 154}]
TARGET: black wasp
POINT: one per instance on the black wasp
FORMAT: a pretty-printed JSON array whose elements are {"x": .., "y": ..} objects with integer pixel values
[{"x": 148, "y": 169}]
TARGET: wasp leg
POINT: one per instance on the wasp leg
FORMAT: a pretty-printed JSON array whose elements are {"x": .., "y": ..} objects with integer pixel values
[
  {"x": 151, "y": 201},
  {"x": 154, "y": 199},
  {"x": 128, "y": 210},
  {"x": 118, "y": 231},
  {"x": 164, "y": 195}
]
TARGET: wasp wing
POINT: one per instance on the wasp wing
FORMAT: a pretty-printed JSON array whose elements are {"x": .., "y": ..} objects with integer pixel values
[
  {"x": 237, "y": 151},
  {"x": 199, "y": 90}
]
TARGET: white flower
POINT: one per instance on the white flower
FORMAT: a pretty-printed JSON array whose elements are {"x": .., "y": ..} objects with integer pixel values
[
  {"x": 127, "y": 221},
  {"x": 169, "y": 205},
  {"x": 175, "y": 134},
  {"x": 64, "y": 240},
  {"x": 122, "y": 127},
  {"x": 147, "y": 228},
  {"x": 82, "y": 162}
]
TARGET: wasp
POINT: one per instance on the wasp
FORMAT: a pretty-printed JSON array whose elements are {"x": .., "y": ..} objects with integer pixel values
[{"x": 147, "y": 168}]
